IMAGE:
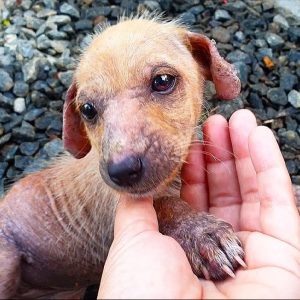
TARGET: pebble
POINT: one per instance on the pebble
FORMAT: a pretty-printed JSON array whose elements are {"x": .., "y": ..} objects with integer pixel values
[
  {"x": 294, "y": 98},
  {"x": 21, "y": 88},
  {"x": 288, "y": 81},
  {"x": 6, "y": 82},
  {"x": 19, "y": 105},
  {"x": 222, "y": 15},
  {"x": 277, "y": 96},
  {"x": 54, "y": 147},
  {"x": 29, "y": 148},
  {"x": 59, "y": 19},
  {"x": 221, "y": 34},
  {"x": 22, "y": 162},
  {"x": 274, "y": 40},
  {"x": 8, "y": 152},
  {"x": 281, "y": 21},
  {"x": 188, "y": 18},
  {"x": 4, "y": 116}
]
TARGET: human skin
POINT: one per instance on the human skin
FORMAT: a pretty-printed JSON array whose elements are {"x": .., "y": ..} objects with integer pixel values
[{"x": 239, "y": 175}]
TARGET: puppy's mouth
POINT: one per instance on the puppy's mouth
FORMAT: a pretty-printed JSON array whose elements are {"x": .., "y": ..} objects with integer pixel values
[{"x": 139, "y": 175}]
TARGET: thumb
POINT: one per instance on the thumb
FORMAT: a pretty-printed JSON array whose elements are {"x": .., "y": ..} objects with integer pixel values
[{"x": 134, "y": 216}]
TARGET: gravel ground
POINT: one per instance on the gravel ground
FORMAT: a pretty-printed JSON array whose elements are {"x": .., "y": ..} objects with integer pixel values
[{"x": 40, "y": 41}]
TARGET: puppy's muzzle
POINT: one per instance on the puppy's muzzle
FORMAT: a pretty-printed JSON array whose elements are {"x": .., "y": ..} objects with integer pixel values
[{"x": 126, "y": 172}]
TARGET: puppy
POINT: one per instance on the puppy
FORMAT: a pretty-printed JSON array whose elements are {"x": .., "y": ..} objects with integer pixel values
[{"x": 136, "y": 95}]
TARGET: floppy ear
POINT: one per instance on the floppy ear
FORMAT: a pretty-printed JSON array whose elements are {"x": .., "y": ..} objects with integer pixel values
[
  {"x": 216, "y": 69},
  {"x": 74, "y": 134}
]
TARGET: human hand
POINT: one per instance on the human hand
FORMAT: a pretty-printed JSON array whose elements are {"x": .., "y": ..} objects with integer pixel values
[{"x": 239, "y": 175}]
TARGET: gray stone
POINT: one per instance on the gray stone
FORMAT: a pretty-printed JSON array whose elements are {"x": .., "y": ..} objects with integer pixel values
[
  {"x": 221, "y": 34},
  {"x": 54, "y": 147},
  {"x": 294, "y": 33},
  {"x": 43, "y": 122},
  {"x": 84, "y": 25},
  {"x": 4, "y": 116},
  {"x": 260, "y": 43},
  {"x": 59, "y": 46},
  {"x": 243, "y": 71},
  {"x": 58, "y": 35},
  {"x": 25, "y": 48},
  {"x": 21, "y": 88},
  {"x": 33, "y": 114},
  {"x": 24, "y": 133},
  {"x": 19, "y": 105},
  {"x": 152, "y": 5},
  {"x": 46, "y": 12},
  {"x": 6, "y": 83},
  {"x": 29, "y": 148},
  {"x": 69, "y": 9},
  {"x": 8, "y": 152},
  {"x": 30, "y": 70},
  {"x": 281, "y": 21},
  {"x": 260, "y": 88},
  {"x": 6, "y": 102},
  {"x": 267, "y": 4},
  {"x": 236, "y": 6},
  {"x": 222, "y": 15},
  {"x": 239, "y": 36},
  {"x": 43, "y": 42},
  {"x": 59, "y": 19},
  {"x": 33, "y": 23},
  {"x": 4, "y": 139},
  {"x": 274, "y": 40},
  {"x": 255, "y": 101},
  {"x": 66, "y": 78},
  {"x": 3, "y": 167},
  {"x": 188, "y": 18},
  {"x": 289, "y": 137},
  {"x": 277, "y": 96},
  {"x": 294, "y": 98},
  {"x": 238, "y": 55},
  {"x": 39, "y": 99},
  {"x": 288, "y": 81},
  {"x": 21, "y": 162},
  {"x": 93, "y": 12}
]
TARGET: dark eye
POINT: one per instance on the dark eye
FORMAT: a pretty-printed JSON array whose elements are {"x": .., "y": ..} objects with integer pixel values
[
  {"x": 88, "y": 111},
  {"x": 164, "y": 83}
]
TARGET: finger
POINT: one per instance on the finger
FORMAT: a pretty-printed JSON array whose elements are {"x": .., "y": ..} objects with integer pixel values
[
  {"x": 241, "y": 124},
  {"x": 135, "y": 215},
  {"x": 224, "y": 193},
  {"x": 193, "y": 177},
  {"x": 279, "y": 215}
]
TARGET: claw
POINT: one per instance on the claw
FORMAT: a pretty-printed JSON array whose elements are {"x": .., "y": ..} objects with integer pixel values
[
  {"x": 240, "y": 261},
  {"x": 205, "y": 273},
  {"x": 228, "y": 271}
]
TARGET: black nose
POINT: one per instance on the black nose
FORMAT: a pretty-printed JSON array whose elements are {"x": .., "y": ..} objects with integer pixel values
[{"x": 126, "y": 172}]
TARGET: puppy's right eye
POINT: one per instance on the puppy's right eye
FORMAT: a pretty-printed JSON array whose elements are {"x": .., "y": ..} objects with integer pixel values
[{"x": 88, "y": 111}]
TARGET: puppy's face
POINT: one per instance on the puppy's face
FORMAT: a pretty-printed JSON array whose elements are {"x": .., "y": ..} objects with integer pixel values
[{"x": 136, "y": 100}]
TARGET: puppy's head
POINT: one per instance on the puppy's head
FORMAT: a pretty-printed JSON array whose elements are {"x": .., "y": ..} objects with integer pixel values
[{"x": 137, "y": 96}]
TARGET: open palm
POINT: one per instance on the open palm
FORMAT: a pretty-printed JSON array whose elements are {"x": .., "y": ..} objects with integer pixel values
[{"x": 239, "y": 175}]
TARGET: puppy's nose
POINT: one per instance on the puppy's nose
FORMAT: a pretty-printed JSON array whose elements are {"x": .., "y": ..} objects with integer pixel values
[{"x": 126, "y": 172}]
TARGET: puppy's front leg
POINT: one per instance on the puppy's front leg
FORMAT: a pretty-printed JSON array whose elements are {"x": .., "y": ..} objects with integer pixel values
[{"x": 210, "y": 244}]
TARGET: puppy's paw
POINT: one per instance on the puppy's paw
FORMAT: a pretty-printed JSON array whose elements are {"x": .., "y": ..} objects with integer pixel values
[{"x": 213, "y": 249}]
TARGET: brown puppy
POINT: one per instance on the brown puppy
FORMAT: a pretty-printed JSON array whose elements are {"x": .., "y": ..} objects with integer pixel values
[{"x": 136, "y": 96}]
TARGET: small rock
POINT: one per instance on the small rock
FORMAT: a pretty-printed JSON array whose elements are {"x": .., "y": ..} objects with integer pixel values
[
  {"x": 267, "y": 4},
  {"x": 46, "y": 12},
  {"x": 239, "y": 36},
  {"x": 188, "y": 18},
  {"x": 222, "y": 15},
  {"x": 29, "y": 148},
  {"x": 30, "y": 70},
  {"x": 255, "y": 101},
  {"x": 260, "y": 88},
  {"x": 221, "y": 34},
  {"x": 39, "y": 99},
  {"x": 243, "y": 71},
  {"x": 4, "y": 116},
  {"x": 6, "y": 102},
  {"x": 59, "y": 46},
  {"x": 58, "y": 35},
  {"x": 3, "y": 167},
  {"x": 33, "y": 23},
  {"x": 59, "y": 19},
  {"x": 10, "y": 125},
  {"x": 291, "y": 166},
  {"x": 238, "y": 55},
  {"x": 84, "y": 25},
  {"x": 8, "y": 152},
  {"x": 4, "y": 139},
  {"x": 21, "y": 162},
  {"x": 152, "y": 5},
  {"x": 33, "y": 114},
  {"x": 43, "y": 42},
  {"x": 277, "y": 96},
  {"x": 281, "y": 21},
  {"x": 294, "y": 98},
  {"x": 19, "y": 105},
  {"x": 66, "y": 78},
  {"x": 43, "y": 122},
  {"x": 294, "y": 33},
  {"x": 288, "y": 81},
  {"x": 24, "y": 133},
  {"x": 260, "y": 43},
  {"x": 25, "y": 49},
  {"x": 6, "y": 83},
  {"x": 21, "y": 88},
  {"x": 70, "y": 10},
  {"x": 54, "y": 147},
  {"x": 289, "y": 137},
  {"x": 274, "y": 40}
]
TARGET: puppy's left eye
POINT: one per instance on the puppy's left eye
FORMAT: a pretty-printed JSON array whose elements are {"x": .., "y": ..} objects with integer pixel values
[
  {"x": 88, "y": 111},
  {"x": 164, "y": 83}
]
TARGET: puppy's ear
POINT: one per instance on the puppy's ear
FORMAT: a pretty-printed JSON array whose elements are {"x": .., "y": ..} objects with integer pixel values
[
  {"x": 216, "y": 69},
  {"x": 74, "y": 134}
]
